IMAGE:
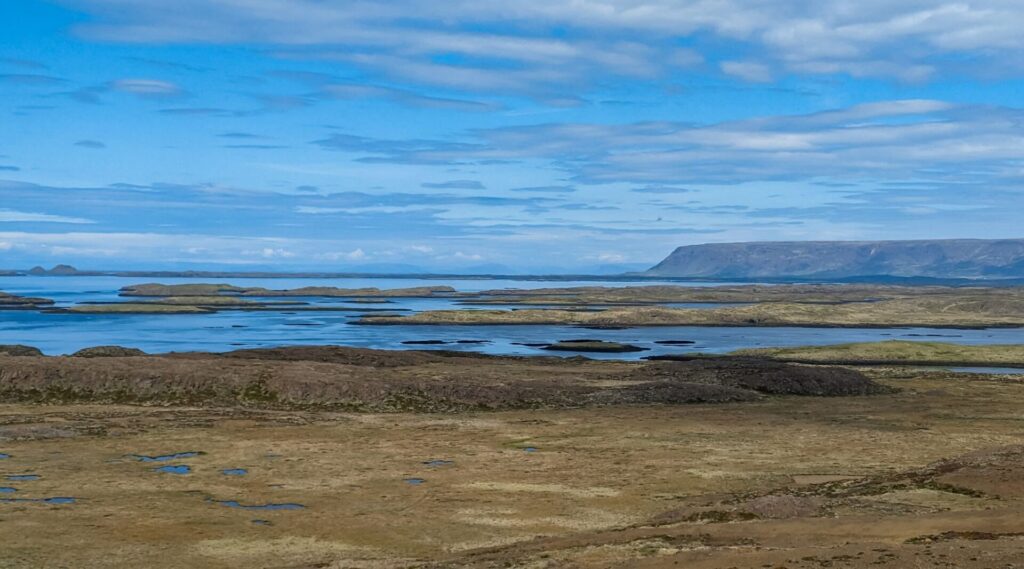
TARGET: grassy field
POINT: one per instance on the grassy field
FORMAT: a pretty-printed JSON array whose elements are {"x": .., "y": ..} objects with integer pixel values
[{"x": 796, "y": 482}]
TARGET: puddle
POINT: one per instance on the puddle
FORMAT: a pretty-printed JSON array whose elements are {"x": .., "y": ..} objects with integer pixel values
[
  {"x": 3, "y": 456},
  {"x": 236, "y": 504},
  {"x": 23, "y": 477},
  {"x": 262, "y": 522},
  {"x": 165, "y": 457},
  {"x": 54, "y": 500},
  {"x": 529, "y": 449},
  {"x": 174, "y": 469},
  {"x": 7, "y": 490},
  {"x": 234, "y": 472},
  {"x": 439, "y": 463},
  {"x": 414, "y": 481}
]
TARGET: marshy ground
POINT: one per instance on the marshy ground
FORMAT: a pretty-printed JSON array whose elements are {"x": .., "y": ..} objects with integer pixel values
[{"x": 779, "y": 481}]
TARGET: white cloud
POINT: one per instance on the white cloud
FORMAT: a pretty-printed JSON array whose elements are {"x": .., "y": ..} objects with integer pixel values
[
  {"x": 12, "y": 216},
  {"x": 907, "y": 40},
  {"x": 748, "y": 71},
  {"x": 271, "y": 253},
  {"x": 354, "y": 255},
  {"x": 146, "y": 87},
  {"x": 885, "y": 140}
]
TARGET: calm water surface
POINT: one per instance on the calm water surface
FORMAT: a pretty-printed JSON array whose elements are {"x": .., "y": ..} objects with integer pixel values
[{"x": 231, "y": 330}]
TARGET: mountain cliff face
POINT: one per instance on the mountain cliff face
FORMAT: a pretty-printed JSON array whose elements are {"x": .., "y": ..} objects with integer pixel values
[{"x": 948, "y": 258}]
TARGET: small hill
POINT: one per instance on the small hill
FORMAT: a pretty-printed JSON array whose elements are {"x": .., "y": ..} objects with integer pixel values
[
  {"x": 58, "y": 271},
  {"x": 947, "y": 258}
]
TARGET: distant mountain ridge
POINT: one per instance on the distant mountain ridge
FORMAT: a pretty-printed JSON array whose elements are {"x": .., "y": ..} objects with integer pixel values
[{"x": 940, "y": 258}]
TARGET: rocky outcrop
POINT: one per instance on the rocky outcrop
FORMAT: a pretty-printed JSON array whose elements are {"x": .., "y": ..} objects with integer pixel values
[
  {"x": 19, "y": 350},
  {"x": 108, "y": 352}
]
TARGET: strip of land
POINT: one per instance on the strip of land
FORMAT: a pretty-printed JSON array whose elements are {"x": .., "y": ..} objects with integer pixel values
[
  {"x": 783, "y": 305},
  {"x": 897, "y": 352},
  {"x": 14, "y": 302},
  {"x": 660, "y": 294},
  {"x": 211, "y": 290},
  {"x": 964, "y": 311},
  {"x": 352, "y": 379}
]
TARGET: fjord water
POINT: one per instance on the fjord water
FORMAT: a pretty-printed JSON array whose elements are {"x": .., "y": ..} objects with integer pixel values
[{"x": 57, "y": 333}]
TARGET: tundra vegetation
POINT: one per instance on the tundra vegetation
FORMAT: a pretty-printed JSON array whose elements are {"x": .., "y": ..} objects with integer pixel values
[{"x": 364, "y": 458}]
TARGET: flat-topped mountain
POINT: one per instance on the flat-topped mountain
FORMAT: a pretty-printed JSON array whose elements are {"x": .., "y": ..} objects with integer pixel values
[{"x": 945, "y": 258}]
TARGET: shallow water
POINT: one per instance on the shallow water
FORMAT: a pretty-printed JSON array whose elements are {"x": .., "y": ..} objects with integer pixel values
[
  {"x": 54, "y": 500},
  {"x": 414, "y": 481},
  {"x": 236, "y": 504},
  {"x": 990, "y": 370},
  {"x": 174, "y": 469},
  {"x": 23, "y": 477},
  {"x": 234, "y": 472},
  {"x": 7, "y": 490},
  {"x": 3, "y": 456},
  {"x": 229, "y": 330},
  {"x": 165, "y": 457}
]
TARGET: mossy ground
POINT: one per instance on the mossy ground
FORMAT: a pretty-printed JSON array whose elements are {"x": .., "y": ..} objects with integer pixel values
[{"x": 588, "y": 498}]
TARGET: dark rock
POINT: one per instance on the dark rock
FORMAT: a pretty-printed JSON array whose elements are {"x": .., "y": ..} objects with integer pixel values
[
  {"x": 108, "y": 352},
  {"x": 19, "y": 350},
  {"x": 773, "y": 378},
  {"x": 595, "y": 346}
]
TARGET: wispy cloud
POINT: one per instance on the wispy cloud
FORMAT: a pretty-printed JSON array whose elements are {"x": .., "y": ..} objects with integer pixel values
[
  {"x": 910, "y": 40},
  {"x": 30, "y": 79},
  {"x": 14, "y": 216},
  {"x": 148, "y": 88},
  {"x": 455, "y": 185},
  {"x": 93, "y": 144},
  {"x": 891, "y": 140}
]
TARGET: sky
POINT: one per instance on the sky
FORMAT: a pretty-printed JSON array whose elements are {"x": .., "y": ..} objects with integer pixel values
[{"x": 555, "y": 136}]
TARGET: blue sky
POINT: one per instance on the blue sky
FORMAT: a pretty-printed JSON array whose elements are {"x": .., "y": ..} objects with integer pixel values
[{"x": 527, "y": 136}]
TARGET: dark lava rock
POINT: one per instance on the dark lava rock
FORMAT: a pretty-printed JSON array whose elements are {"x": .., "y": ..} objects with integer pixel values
[
  {"x": 596, "y": 346},
  {"x": 19, "y": 350},
  {"x": 108, "y": 352},
  {"x": 765, "y": 376},
  {"x": 675, "y": 342}
]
